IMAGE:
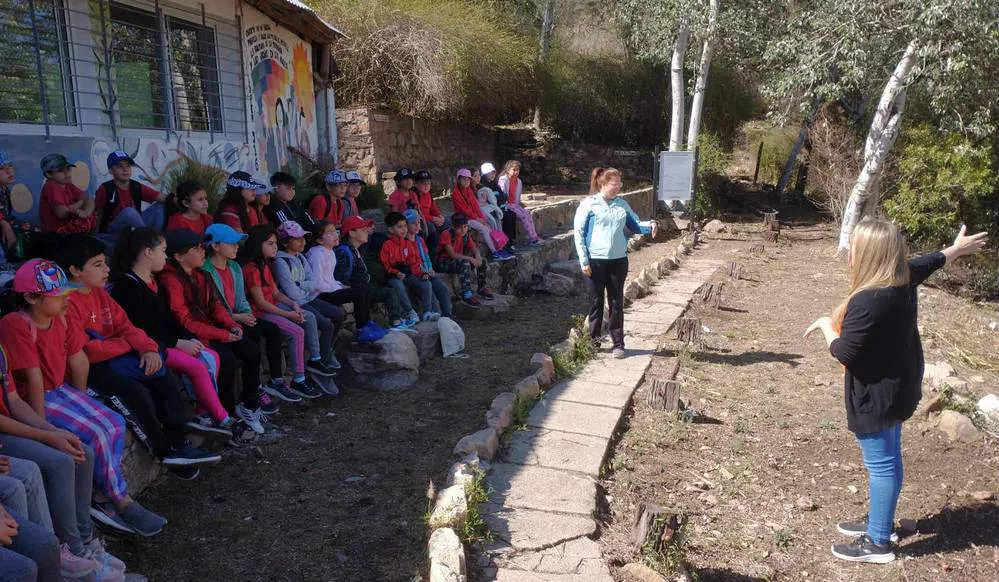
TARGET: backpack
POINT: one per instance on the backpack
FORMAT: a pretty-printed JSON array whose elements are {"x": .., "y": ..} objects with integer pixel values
[
  {"x": 327, "y": 198},
  {"x": 112, "y": 201}
]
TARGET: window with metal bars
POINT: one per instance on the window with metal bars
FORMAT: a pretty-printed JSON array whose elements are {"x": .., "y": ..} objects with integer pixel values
[
  {"x": 35, "y": 82},
  {"x": 165, "y": 71}
]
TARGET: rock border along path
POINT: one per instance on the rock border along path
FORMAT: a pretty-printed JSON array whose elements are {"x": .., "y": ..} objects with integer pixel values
[{"x": 543, "y": 496}]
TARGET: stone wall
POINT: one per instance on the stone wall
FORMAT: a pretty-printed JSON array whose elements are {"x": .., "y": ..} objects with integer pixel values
[
  {"x": 376, "y": 143},
  {"x": 561, "y": 162}
]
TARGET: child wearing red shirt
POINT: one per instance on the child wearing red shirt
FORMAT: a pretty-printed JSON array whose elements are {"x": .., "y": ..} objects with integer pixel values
[
  {"x": 188, "y": 208},
  {"x": 197, "y": 312},
  {"x": 403, "y": 197},
  {"x": 328, "y": 205},
  {"x": 466, "y": 203},
  {"x": 126, "y": 365},
  {"x": 64, "y": 208},
  {"x": 236, "y": 207},
  {"x": 44, "y": 348},
  {"x": 458, "y": 253}
]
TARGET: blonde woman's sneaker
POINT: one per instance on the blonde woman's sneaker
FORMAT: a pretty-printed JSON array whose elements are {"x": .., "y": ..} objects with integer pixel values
[
  {"x": 73, "y": 566},
  {"x": 144, "y": 522},
  {"x": 863, "y": 549}
]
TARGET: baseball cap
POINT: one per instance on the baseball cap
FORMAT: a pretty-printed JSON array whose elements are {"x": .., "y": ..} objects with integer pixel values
[
  {"x": 118, "y": 156},
  {"x": 458, "y": 219},
  {"x": 403, "y": 173},
  {"x": 223, "y": 233},
  {"x": 336, "y": 177},
  {"x": 41, "y": 277},
  {"x": 182, "y": 239},
  {"x": 243, "y": 180},
  {"x": 354, "y": 177},
  {"x": 290, "y": 229},
  {"x": 4, "y": 160},
  {"x": 422, "y": 176},
  {"x": 412, "y": 216},
  {"x": 486, "y": 168},
  {"x": 54, "y": 162},
  {"x": 264, "y": 189},
  {"x": 464, "y": 173},
  {"x": 353, "y": 223}
]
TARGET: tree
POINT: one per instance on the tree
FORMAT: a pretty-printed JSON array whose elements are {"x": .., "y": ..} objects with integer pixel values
[
  {"x": 835, "y": 51},
  {"x": 547, "y": 10},
  {"x": 701, "y": 83}
]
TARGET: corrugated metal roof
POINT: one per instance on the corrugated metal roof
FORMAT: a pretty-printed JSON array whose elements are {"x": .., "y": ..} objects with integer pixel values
[{"x": 298, "y": 17}]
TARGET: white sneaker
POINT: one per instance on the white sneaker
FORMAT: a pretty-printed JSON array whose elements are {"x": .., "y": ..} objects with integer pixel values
[
  {"x": 95, "y": 547},
  {"x": 73, "y": 566},
  {"x": 250, "y": 417}
]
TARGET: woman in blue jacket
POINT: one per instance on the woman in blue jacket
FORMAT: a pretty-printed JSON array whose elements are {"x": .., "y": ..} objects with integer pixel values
[{"x": 602, "y": 247}]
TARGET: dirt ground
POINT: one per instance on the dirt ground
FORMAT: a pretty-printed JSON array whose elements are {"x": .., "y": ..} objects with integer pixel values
[
  {"x": 769, "y": 467},
  {"x": 343, "y": 497}
]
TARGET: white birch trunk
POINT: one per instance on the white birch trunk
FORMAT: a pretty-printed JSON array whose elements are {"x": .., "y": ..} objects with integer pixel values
[
  {"x": 677, "y": 89},
  {"x": 880, "y": 139},
  {"x": 700, "y": 85}
]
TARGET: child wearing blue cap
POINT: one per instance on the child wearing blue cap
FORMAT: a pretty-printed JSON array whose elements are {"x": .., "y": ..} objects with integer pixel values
[{"x": 328, "y": 205}]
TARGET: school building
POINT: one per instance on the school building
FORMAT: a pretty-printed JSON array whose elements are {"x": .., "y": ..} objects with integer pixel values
[{"x": 239, "y": 84}]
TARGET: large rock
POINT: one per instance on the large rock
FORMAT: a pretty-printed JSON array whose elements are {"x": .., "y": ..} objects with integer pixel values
[
  {"x": 427, "y": 339},
  {"x": 957, "y": 427},
  {"x": 496, "y": 308},
  {"x": 569, "y": 268},
  {"x": 635, "y": 289},
  {"x": 546, "y": 369},
  {"x": 500, "y": 412},
  {"x": 395, "y": 366},
  {"x": 447, "y": 557},
  {"x": 484, "y": 443},
  {"x": 451, "y": 508},
  {"x": 528, "y": 387},
  {"x": 988, "y": 406},
  {"x": 460, "y": 473},
  {"x": 715, "y": 226},
  {"x": 139, "y": 466},
  {"x": 555, "y": 284},
  {"x": 635, "y": 572},
  {"x": 935, "y": 374}
]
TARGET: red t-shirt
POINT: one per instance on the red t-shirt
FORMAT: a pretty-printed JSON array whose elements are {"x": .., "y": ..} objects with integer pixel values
[
  {"x": 461, "y": 245},
  {"x": 230, "y": 216},
  {"x": 228, "y": 286},
  {"x": 55, "y": 194},
  {"x": 400, "y": 200},
  {"x": 198, "y": 225},
  {"x": 98, "y": 312},
  {"x": 124, "y": 198},
  {"x": 46, "y": 349},
  {"x": 254, "y": 278}
]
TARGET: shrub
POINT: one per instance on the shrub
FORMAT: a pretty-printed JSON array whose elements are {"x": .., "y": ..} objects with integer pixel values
[
  {"x": 712, "y": 159},
  {"x": 212, "y": 179},
  {"x": 944, "y": 180},
  {"x": 603, "y": 99},
  {"x": 434, "y": 59}
]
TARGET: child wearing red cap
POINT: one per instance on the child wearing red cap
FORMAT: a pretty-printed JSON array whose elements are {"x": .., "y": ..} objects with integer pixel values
[{"x": 44, "y": 350}]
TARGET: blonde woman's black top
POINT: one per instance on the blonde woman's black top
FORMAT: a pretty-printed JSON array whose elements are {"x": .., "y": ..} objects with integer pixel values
[{"x": 879, "y": 346}]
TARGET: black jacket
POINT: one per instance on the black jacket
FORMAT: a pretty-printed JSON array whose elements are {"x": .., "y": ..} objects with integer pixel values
[
  {"x": 879, "y": 346},
  {"x": 278, "y": 212},
  {"x": 146, "y": 309}
]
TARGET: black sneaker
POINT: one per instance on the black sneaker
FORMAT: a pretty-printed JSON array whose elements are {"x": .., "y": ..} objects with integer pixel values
[
  {"x": 858, "y": 527},
  {"x": 188, "y": 473},
  {"x": 306, "y": 390},
  {"x": 207, "y": 427},
  {"x": 318, "y": 367},
  {"x": 266, "y": 405},
  {"x": 190, "y": 455},
  {"x": 863, "y": 549},
  {"x": 277, "y": 389},
  {"x": 241, "y": 435}
]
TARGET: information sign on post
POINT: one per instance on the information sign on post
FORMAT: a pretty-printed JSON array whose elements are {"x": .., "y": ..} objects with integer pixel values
[{"x": 676, "y": 176}]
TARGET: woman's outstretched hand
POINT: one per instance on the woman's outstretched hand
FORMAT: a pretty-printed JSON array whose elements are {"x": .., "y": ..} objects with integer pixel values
[
  {"x": 822, "y": 323},
  {"x": 965, "y": 244}
]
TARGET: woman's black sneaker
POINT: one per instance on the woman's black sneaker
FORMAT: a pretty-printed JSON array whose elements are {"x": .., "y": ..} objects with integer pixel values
[
  {"x": 863, "y": 549},
  {"x": 858, "y": 527}
]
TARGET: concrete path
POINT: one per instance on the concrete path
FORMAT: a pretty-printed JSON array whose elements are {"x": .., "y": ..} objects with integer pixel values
[{"x": 543, "y": 486}]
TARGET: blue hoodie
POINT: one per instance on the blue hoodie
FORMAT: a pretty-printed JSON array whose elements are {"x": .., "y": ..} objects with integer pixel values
[{"x": 599, "y": 228}]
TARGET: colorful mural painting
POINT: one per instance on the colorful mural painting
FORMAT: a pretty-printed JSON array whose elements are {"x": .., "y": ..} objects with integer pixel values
[{"x": 282, "y": 103}]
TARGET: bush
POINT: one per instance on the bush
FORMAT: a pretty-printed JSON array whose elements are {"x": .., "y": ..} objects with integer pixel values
[
  {"x": 944, "y": 180},
  {"x": 211, "y": 178},
  {"x": 712, "y": 159},
  {"x": 432, "y": 58},
  {"x": 609, "y": 100}
]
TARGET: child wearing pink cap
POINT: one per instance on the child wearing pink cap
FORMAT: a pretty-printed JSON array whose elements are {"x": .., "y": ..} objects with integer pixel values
[{"x": 44, "y": 349}]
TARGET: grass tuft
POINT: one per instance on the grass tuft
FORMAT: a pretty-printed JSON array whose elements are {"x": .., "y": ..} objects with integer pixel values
[
  {"x": 581, "y": 350},
  {"x": 475, "y": 531}
]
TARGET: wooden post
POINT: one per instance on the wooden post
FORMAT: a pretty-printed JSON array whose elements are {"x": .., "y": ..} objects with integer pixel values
[
  {"x": 711, "y": 294},
  {"x": 735, "y": 270},
  {"x": 771, "y": 226},
  {"x": 759, "y": 158},
  {"x": 654, "y": 528},
  {"x": 757, "y": 249},
  {"x": 665, "y": 392},
  {"x": 688, "y": 330}
]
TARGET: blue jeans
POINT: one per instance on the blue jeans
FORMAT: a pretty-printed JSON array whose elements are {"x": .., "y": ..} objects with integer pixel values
[
  {"x": 419, "y": 286},
  {"x": 34, "y": 555},
  {"x": 151, "y": 217},
  {"x": 882, "y": 452}
]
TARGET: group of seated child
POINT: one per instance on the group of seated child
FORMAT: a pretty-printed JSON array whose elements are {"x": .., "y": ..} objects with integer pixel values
[{"x": 98, "y": 341}]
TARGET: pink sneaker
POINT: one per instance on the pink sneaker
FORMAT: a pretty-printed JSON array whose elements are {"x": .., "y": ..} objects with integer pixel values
[{"x": 73, "y": 566}]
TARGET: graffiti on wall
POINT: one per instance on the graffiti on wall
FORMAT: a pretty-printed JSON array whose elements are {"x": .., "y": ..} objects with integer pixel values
[
  {"x": 155, "y": 159},
  {"x": 282, "y": 103}
]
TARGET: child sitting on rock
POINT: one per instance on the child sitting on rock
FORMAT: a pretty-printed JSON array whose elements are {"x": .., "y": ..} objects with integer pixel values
[{"x": 457, "y": 253}]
